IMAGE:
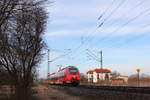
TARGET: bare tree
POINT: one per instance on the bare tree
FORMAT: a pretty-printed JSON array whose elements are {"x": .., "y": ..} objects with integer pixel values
[
  {"x": 6, "y": 9},
  {"x": 21, "y": 44}
]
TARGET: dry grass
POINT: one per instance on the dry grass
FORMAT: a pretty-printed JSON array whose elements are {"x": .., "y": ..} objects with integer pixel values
[
  {"x": 40, "y": 92},
  {"x": 48, "y": 93}
]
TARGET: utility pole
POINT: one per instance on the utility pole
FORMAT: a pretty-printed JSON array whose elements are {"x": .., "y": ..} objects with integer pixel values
[
  {"x": 101, "y": 63},
  {"x": 101, "y": 59},
  {"x": 48, "y": 62}
]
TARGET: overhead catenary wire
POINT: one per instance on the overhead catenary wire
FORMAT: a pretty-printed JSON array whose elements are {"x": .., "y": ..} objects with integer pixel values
[
  {"x": 120, "y": 4},
  {"x": 100, "y": 17},
  {"x": 129, "y": 21},
  {"x": 103, "y": 22},
  {"x": 92, "y": 56},
  {"x": 106, "y": 10},
  {"x": 133, "y": 8},
  {"x": 130, "y": 39},
  {"x": 143, "y": 12},
  {"x": 116, "y": 8},
  {"x": 91, "y": 53},
  {"x": 140, "y": 3},
  {"x": 116, "y": 29}
]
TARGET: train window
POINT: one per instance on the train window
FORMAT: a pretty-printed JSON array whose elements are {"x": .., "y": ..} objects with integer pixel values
[
  {"x": 73, "y": 70},
  {"x": 62, "y": 74}
]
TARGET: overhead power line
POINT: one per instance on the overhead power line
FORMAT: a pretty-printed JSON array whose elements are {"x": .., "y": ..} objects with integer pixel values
[
  {"x": 88, "y": 35},
  {"x": 100, "y": 17},
  {"x": 130, "y": 39},
  {"x": 107, "y": 9},
  {"x": 140, "y": 3},
  {"x": 83, "y": 42},
  {"x": 88, "y": 40},
  {"x": 133, "y": 8},
  {"x": 102, "y": 23},
  {"x": 92, "y": 57},
  {"x": 91, "y": 53},
  {"x": 129, "y": 21},
  {"x": 120, "y": 4}
]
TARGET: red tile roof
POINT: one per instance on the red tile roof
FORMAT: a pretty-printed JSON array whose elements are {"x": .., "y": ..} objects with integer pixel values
[
  {"x": 90, "y": 72},
  {"x": 102, "y": 70},
  {"x": 99, "y": 71}
]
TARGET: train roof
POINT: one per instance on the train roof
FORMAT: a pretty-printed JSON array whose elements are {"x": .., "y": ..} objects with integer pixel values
[
  {"x": 67, "y": 67},
  {"x": 63, "y": 69}
]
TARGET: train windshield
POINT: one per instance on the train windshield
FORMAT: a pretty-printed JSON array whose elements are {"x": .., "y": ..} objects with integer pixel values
[{"x": 73, "y": 70}]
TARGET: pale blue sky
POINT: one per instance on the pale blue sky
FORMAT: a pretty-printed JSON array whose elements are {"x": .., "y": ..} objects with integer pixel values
[{"x": 123, "y": 38}]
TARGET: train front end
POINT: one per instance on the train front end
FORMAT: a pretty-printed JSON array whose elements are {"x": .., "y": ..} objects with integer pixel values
[{"x": 73, "y": 75}]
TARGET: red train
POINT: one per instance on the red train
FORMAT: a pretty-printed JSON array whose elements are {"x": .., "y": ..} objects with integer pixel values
[{"x": 66, "y": 75}]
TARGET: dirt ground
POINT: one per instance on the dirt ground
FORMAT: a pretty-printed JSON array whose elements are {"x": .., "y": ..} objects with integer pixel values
[{"x": 48, "y": 93}]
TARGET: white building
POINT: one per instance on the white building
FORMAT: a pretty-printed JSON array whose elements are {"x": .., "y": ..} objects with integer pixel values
[{"x": 96, "y": 75}]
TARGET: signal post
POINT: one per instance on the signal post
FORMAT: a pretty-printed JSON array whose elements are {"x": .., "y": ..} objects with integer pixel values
[{"x": 138, "y": 76}]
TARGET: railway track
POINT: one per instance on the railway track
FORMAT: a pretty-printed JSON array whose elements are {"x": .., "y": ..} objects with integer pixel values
[
  {"x": 127, "y": 89},
  {"x": 141, "y": 90}
]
